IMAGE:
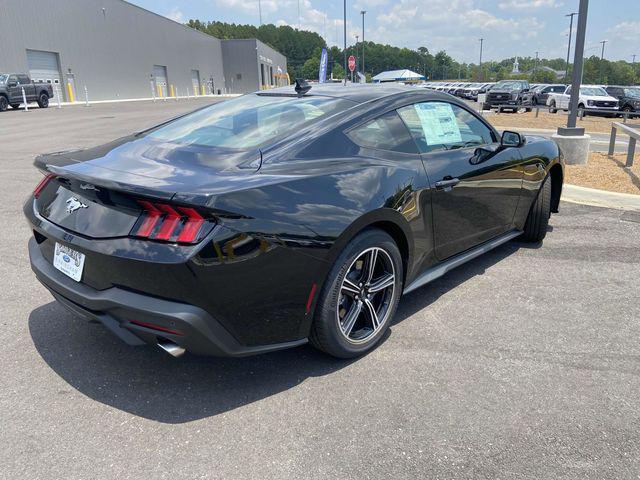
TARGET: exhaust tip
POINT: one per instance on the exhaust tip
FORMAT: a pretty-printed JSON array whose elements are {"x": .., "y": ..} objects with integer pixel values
[{"x": 171, "y": 348}]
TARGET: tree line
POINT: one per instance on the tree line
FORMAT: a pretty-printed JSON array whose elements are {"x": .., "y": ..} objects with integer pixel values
[{"x": 303, "y": 48}]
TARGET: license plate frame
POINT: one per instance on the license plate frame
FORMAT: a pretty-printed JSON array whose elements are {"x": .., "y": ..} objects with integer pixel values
[{"x": 68, "y": 261}]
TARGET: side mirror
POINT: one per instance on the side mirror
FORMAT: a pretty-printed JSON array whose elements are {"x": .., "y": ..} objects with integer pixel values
[{"x": 511, "y": 139}]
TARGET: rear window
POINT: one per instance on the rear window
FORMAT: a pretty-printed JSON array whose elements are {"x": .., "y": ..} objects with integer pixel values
[{"x": 248, "y": 121}]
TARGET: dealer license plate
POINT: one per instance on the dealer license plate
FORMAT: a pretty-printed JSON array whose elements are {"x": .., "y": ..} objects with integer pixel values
[{"x": 68, "y": 261}]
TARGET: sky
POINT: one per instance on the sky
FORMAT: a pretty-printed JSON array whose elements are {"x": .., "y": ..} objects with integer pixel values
[{"x": 509, "y": 27}]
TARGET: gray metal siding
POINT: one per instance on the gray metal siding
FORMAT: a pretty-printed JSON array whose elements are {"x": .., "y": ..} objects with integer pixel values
[
  {"x": 247, "y": 58},
  {"x": 109, "y": 45}
]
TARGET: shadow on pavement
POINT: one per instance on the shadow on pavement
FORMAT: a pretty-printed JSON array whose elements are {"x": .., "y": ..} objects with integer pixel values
[{"x": 147, "y": 382}]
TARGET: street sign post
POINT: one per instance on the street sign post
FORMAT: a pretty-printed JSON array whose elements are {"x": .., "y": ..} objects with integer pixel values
[{"x": 352, "y": 65}]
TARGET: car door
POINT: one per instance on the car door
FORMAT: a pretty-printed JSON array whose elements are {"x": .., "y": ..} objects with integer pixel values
[
  {"x": 14, "y": 91},
  {"x": 29, "y": 88},
  {"x": 475, "y": 183}
]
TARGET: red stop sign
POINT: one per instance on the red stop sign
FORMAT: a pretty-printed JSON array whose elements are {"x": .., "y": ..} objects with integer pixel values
[{"x": 352, "y": 63}]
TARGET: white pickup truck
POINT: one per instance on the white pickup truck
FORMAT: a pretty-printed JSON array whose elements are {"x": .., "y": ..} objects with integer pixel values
[{"x": 593, "y": 99}]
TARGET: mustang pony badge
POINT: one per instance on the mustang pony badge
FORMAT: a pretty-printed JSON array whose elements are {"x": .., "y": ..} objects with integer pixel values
[{"x": 74, "y": 204}]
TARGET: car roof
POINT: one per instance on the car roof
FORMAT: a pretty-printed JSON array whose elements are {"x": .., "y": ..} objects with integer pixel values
[{"x": 355, "y": 92}]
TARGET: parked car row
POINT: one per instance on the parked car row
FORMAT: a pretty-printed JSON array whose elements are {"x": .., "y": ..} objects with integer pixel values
[
  {"x": 466, "y": 90},
  {"x": 519, "y": 94}
]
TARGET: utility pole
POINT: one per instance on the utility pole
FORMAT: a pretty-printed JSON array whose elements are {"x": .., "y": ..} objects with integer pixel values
[
  {"x": 481, "y": 74},
  {"x": 566, "y": 73},
  {"x": 363, "y": 70},
  {"x": 260, "y": 11},
  {"x": 344, "y": 24},
  {"x": 604, "y": 42},
  {"x": 356, "y": 49},
  {"x": 578, "y": 61}
]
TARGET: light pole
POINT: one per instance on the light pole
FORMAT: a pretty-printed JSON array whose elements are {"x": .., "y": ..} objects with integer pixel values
[
  {"x": 604, "y": 42},
  {"x": 481, "y": 74},
  {"x": 357, "y": 40},
  {"x": 260, "y": 11},
  {"x": 344, "y": 24},
  {"x": 363, "y": 71},
  {"x": 535, "y": 67},
  {"x": 566, "y": 73},
  {"x": 578, "y": 61},
  {"x": 298, "y": 14}
]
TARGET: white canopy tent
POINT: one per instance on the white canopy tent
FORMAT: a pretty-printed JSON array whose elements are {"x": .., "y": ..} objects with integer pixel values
[{"x": 398, "y": 76}]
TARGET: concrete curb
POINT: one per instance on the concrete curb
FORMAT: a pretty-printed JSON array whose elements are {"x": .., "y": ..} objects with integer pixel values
[
  {"x": 600, "y": 198},
  {"x": 53, "y": 103}
]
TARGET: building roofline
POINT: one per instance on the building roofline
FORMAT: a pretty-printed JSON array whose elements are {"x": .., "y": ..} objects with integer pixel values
[{"x": 169, "y": 19}]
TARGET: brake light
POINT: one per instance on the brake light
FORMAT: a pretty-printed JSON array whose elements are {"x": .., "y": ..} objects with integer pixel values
[
  {"x": 160, "y": 221},
  {"x": 43, "y": 183},
  {"x": 192, "y": 226}
]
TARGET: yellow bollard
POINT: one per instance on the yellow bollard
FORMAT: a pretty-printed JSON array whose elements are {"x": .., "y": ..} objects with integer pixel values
[
  {"x": 195, "y": 91},
  {"x": 173, "y": 93},
  {"x": 159, "y": 88},
  {"x": 202, "y": 90},
  {"x": 70, "y": 93}
]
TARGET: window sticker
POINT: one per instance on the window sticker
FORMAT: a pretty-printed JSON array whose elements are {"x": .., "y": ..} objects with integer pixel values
[{"x": 439, "y": 124}]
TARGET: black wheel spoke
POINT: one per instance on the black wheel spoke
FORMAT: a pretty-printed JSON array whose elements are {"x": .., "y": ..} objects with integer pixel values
[
  {"x": 350, "y": 318},
  {"x": 372, "y": 315},
  {"x": 383, "y": 282}
]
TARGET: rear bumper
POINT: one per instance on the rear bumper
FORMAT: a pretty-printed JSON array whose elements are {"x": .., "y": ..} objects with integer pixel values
[{"x": 195, "y": 329}]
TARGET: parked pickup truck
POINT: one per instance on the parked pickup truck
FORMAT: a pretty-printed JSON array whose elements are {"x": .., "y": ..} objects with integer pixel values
[
  {"x": 508, "y": 95},
  {"x": 628, "y": 98},
  {"x": 11, "y": 85},
  {"x": 593, "y": 99}
]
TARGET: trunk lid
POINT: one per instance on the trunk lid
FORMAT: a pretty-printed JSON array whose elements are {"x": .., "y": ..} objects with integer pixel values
[{"x": 95, "y": 192}]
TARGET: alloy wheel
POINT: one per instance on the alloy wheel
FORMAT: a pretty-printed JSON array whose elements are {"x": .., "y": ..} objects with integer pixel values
[{"x": 366, "y": 295}]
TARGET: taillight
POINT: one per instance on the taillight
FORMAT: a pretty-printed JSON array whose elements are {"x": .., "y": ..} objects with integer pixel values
[
  {"x": 43, "y": 183},
  {"x": 160, "y": 221}
]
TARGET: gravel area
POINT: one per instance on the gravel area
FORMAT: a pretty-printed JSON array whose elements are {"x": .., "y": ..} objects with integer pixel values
[{"x": 606, "y": 173}]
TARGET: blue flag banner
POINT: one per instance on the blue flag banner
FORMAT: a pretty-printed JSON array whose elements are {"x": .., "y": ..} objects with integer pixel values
[{"x": 323, "y": 66}]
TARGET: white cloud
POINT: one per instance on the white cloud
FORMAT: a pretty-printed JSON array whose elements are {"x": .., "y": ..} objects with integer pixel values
[
  {"x": 529, "y": 4},
  {"x": 176, "y": 15}
]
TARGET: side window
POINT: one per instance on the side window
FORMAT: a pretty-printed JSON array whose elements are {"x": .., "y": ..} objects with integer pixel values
[
  {"x": 23, "y": 79},
  {"x": 568, "y": 92},
  {"x": 386, "y": 132},
  {"x": 444, "y": 126}
]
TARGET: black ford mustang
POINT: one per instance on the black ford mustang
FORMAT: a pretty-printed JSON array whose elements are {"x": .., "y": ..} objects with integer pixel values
[{"x": 282, "y": 217}]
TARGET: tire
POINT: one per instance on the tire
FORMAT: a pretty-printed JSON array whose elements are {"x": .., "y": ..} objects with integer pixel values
[
  {"x": 343, "y": 324},
  {"x": 43, "y": 100},
  {"x": 4, "y": 104},
  {"x": 535, "y": 228},
  {"x": 15, "y": 106},
  {"x": 553, "y": 108}
]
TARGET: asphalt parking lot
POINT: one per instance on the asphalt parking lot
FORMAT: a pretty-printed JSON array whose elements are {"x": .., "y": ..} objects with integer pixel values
[{"x": 524, "y": 363}]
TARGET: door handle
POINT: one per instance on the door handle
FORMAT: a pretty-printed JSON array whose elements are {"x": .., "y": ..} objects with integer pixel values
[{"x": 447, "y": 183}]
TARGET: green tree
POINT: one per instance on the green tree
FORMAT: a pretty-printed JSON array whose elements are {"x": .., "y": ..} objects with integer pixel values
[
  {"x": 338, "y": 71},
  {"x": 311, "y": 68}
]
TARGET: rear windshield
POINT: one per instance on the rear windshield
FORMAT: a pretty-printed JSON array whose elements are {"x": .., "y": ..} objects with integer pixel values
[{"x": 248, "y": 121}]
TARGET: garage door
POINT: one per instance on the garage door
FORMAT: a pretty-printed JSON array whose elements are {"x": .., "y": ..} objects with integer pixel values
[
  {"x": 160, "y": 74},
  {"x": 45, "y": 67},
  {"x": 195, "y": 81}
]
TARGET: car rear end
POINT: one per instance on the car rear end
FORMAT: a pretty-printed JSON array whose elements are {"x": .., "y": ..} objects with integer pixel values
[{"x": 132, "y": 234}]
